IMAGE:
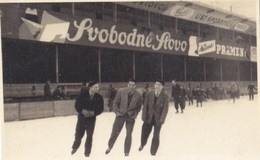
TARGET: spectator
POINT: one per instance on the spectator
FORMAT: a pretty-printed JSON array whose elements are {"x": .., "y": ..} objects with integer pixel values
[
  {"x": 199, "y": 96},
  {"x": 64, "y": 93},
  {"x": 250, "y": 89},
  {"x": 215, "y": 92},
  {"x": 84, "y": 87},
  {"x": 57, "y": 93},
  {"x": 145, "y": 90},
  {"x": 47, "y": 91},
  {"x": 233, "y": 91},
  {"x": 190, "y": 96},
  {"x": 33, "y": 90},
  {"x": 177, "y": 96}
]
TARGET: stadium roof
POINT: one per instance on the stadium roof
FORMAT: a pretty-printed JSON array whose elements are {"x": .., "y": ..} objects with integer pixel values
[{"x": 199, "y": 12}]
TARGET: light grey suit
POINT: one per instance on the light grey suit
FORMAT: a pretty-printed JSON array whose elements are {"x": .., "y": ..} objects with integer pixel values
[{"x": 126, "y": 111}]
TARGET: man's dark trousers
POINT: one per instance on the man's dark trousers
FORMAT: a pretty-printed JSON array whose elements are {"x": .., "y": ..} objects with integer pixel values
[
  {"x": 82, "y": 126},
  {"x": 117, "y": 127},
  {"x": 146, "y": 130}
]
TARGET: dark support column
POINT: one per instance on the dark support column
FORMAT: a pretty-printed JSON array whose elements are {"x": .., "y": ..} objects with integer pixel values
[
  {"x": 161, "y": 66},
  {"x": 251, "y": 72},
  {"x": 73, "y": 9},
  {"x": 99, "y": 65},
  {"x": 238, "y": 71},
  {"x": 57, "y": 63},
  {"x": 134, "y": 65},
  {"x": 221, "y": 71},
  {"x": 176, "y": 25},
  {"x": 185, "y": 70},
  {"x": 115, "y": 13},
  {"x": 204, "y": 69}
]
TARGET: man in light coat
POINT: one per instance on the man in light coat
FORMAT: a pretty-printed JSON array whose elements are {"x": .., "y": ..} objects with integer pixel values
[
  {"x": 155, "y": 110},
  {"x": 127, "y": 105}
]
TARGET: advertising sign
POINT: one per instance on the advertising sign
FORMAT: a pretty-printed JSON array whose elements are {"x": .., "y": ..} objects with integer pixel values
[{"x": 87, "y": 31}]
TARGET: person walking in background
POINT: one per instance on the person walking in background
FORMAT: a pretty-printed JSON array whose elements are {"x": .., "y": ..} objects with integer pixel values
[
  {"x": 199, "y": 96},
  {"x": 145, "y": 90},
  {"x": 127, "y": 105},
  {"x": 154, "y": 113},
  {"x": 88, "y": 105},
  {"x": 111, "y": 96},
  {"x": 47, "y": 90},
  {"x": 233, "y": 91},
  {"x": 215, "y": 92},
  {"x": 190, "y": 96},
  {"x": 176, "y": 96},
  {"x": 251, "y": 89},
  {"x": 183, "y": 95}
]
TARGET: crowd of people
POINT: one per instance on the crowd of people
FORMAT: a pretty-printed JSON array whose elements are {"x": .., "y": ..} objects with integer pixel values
[
  {"x": 127, "y": 102},
  {"x": 60, "y": 92},
  {"x": 180, "y": 94}
]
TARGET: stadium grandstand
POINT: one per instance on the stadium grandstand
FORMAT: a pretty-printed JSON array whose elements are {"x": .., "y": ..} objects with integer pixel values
[{"x": 110, "y": 42}]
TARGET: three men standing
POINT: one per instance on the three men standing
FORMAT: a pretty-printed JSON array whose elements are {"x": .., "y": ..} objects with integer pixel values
[
  {"x": 127, "y": 105},
  {"x": 154, "y": 113}
]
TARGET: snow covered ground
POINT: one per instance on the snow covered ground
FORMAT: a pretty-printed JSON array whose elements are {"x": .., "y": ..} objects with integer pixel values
[{"x": 220, "y": 130}]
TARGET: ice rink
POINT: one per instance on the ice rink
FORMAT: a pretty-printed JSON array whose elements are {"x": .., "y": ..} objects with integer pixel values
[{"x": 220, "y": 130}]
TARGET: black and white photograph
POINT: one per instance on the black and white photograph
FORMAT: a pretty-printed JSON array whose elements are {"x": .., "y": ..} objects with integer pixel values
[{"x": 136, "y": 80}]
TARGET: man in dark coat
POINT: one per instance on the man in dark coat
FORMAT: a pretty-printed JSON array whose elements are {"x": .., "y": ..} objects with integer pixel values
[
  {"x": 88, "y": 105},
  {"x": 47, "y": 90},
  {"x": 199, "y": 96},
  {"x": 154, "y": 113},
  {"x": 177, "y": 96},
  {"x": 127, "y": 105},
  {"x": 251, "y": 89}
]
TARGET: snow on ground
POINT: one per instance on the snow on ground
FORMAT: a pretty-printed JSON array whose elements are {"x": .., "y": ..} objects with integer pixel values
[{"x": 220, "y": 130}]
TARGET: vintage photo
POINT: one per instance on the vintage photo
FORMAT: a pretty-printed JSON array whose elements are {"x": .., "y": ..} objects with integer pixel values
[{"x": 139, "y": 80}]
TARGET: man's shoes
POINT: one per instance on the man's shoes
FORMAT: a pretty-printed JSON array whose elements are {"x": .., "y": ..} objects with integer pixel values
[
  {"x": 177, "y": 112},
  {"x": 153, "y": 154},
  {"x": 73, "y": 151},
  {"x": 181, "y": 111},
  {"x": 141, "y": 148},
  {"x": 86, "y": 155},
  {"x": 108, "y": 150},
  {"x": 126, "y": 154}
]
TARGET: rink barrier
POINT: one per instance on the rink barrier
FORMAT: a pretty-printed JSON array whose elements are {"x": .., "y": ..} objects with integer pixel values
[
  {"x": 41, "y": 109},
  {"x": 11, "y": 112}
]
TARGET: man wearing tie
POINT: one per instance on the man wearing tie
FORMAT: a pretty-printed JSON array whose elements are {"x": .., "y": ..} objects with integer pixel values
[
  {"x": 127, "y": 105},
  {"x": 155, "y": 109}
]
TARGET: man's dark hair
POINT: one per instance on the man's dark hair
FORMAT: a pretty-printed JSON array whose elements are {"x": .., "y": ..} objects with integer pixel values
[
  {"x": 131, "y": 80},
  {"x": 160, "y": 81},
  {"x": 92, "y": 83}
]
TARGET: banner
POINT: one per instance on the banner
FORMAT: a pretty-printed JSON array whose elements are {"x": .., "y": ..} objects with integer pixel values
[
  {"x": 87, "y": 31},
  {"x": 218, "y": 49},
  {"x": 53, "y": 27}
]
